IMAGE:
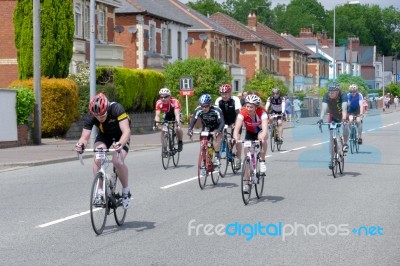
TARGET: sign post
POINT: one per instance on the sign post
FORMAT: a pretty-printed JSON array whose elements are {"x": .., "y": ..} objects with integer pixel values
[{"x": 186, "y": 89}]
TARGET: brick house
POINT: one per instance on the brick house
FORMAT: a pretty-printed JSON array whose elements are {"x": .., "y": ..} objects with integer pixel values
[
  {"x": 292, "y": 59},
  {"x": 256, "y": 52}
]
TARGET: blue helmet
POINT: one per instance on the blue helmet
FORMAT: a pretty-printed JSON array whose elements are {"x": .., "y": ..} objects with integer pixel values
[
  {"x": 205, "y": 99},
  {"x": 334, "y": 87}
]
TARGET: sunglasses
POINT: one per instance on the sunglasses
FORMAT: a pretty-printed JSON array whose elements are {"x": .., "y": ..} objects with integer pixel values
[
  {"x": 205, "y": 106},
  {"x": 100, "y": 117},
  {"x": 164, "y": 97}
]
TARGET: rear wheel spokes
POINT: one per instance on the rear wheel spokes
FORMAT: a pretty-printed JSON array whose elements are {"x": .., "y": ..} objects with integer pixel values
[
  {"x": 99, "y": 208},
  {"x": 334, "y": 159},
  {"x": 272, "y": 139},
  {"x": 174, "y": 150},
  {"x": 119, "y": 212},
  {"x": 223, "y": 152},
  {"x": 259, "y": 187},
  {"x": 165, "y": 155}
]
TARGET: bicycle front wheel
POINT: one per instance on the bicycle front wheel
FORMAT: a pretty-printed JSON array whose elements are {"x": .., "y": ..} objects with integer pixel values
[
  {"x": 202, "y": 170},
  {"x": 119, "y": 212},
  {"x": 165, "y": 155},
  {"x": 259, "y": 187},
  {"x": 174, "y": 150},
  {"x": 353, "y": 140},
  {"x": 278, "y": 143},
  {"x": 99, "y": 208},
  {"x": 272, "y": 141},
  {"x": 234, "y": 169},
  {"x": 246, "y": 182},
  {"x": 335, "y": 163},
  {"x": 223, "y": 159}
]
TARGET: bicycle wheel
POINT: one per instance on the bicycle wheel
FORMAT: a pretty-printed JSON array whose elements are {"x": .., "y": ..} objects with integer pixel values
[
  {"x": 202, "y": 170},
  {"x": 234, "y": 170},
  {"x": 119, "y": 212},
  {"x": 246, "y": 180},
  {"x": 352, "y": 140},
  {"x": 356, "y": 145},
  {"x": 98, "y": 210},
  {"x": 174, "y": 150},
  {"x": 272, "y": 140},
  {"x": 259, "y": 187},
  {"x": 335, "y": 164},
  {"x": 278, "y": 142},
  {"x": 165, "y": 155},
  {"x": 223, "y": 158}
]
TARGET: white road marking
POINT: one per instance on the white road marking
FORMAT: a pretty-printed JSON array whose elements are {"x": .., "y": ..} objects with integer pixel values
[
  {"x": 64, "y": 219},
  {"x": 299, "y": 148},
  {"x": 180, "y": 182},
  {"x": 320, "y": 143}
]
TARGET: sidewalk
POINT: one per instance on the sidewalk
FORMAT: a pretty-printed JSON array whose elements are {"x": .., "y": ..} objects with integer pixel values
[{"x": 60, "y": 150}]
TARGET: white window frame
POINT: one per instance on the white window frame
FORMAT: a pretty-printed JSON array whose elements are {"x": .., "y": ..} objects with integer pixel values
[
  {"x": 101, "y": 28},
  {"x": 152, "y": 38},
  {"x": 78, "y": 20},
  {"x": 86, "y": 21}
]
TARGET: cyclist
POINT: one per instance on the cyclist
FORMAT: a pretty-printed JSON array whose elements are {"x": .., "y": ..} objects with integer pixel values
[
  {"x": 172, "y": 112},
  {"x": 212, "y": 120},
  {"x": 230, "y": 106},
  {"x": 355, "y": 103},
  {"x": 255, "y": 119},
  {"x": 336, "y": 101},
  {"x": 113, "y": 124},
  {"x": 277, "y": 104}
]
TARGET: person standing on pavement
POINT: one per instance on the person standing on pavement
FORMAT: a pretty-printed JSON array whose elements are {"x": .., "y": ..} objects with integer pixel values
[
  {"x": 288, "y": 105},
  {"x": 172, "y": 112},
  {"x": 297, "y": 108},
  {"x": 114, "y": 130},
  {"x": 396, "y": 102},
  {"x": 230, "y": 106},
  {"x": 336, "y": 101}
]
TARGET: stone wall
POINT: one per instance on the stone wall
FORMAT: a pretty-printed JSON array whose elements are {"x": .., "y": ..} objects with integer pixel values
[{"x": 141, "y": 123}]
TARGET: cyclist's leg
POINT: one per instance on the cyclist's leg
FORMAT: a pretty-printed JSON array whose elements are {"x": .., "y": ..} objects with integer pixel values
[
  {"x": 239, "y": 150},
  {"x": 280, "y": 127},
  {"x": 122, "y": 171},
  {"x": 217, "y": 143},
  {"x": 263, "y": 153}
]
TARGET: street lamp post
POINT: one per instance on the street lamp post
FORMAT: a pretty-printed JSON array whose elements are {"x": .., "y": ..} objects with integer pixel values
[{"x": 334, "y": 36}]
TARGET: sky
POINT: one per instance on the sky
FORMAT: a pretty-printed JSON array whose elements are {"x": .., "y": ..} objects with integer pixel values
[{"x": 329, "y": 4}]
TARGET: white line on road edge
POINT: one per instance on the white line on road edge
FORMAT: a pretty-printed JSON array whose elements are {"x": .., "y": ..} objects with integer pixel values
[
  {"x": 316, "y": 144},
  {"x": 180, "y": 182},
  {"x": 295, "y": 149},
  {"x": 64, "y": 219}
]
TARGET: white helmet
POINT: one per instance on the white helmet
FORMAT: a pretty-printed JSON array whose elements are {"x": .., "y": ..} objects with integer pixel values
[
  {"x": 164, "y": 91},
  {"x": 254, "y": 99}
]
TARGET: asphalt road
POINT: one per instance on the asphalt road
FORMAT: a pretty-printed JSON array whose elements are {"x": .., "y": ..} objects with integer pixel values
[{"x": 306, "y": 217}]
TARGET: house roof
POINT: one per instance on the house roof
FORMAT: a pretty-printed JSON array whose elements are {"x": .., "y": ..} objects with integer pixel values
[
  {"x": 299, "y": 45},
  {"x": 366, "y": 55},
  {"x": 157, "y": 8},
  {"x": 241, "y": 30},
  {"x": 276, "y": 38}
]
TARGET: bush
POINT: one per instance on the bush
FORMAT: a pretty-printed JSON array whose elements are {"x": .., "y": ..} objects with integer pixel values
[
  {"x": 25, "y": 105},
  {"x": 59, "y": 104}
]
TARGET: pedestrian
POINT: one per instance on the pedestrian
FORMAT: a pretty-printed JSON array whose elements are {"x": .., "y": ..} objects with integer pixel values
[
  {"x": 396, "y": 102},
  {"x": 288, "y": 106},
  {"x": 297, "y": 108}
]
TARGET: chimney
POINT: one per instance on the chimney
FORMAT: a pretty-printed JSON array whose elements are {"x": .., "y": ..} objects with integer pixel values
[
  {"x": 353, "y": 42},
  {"x": 324, "y": 39},
  {"x": 305, "y": 33},
  {"x": 252, "y": 20}
]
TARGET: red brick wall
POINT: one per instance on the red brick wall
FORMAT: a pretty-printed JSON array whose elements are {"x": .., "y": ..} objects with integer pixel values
[
  {"x": 127, "y": 39},
  {"x": 8, "y": 72}
]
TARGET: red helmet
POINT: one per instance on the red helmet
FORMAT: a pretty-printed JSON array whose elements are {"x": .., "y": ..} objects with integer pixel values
[
  {"x": 225, "y": 88},
  {"x": 98, "y": 105}
]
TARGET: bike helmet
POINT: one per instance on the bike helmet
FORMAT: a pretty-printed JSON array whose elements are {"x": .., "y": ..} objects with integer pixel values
[
  {"x": 254, "y": 99},
  {"x": 334, "y": 87},
  {"x": 98, "y": 105},
  {"x": 205, "y": 99},
  {"x": 164, "y": 91},
  {"x": 225, "y": 88},
  {"x": 276, "y": 90},
  {"x": 353, "y": 88}
]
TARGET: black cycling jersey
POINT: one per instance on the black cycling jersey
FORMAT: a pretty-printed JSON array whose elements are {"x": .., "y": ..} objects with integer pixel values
[
  {"x": 110, "y": 127},
  {"x": 228, "y": 110},
  {"x": 213, "y": 119},
  {"x": 276, "y": 105},
  {"x": 335, "y": 105}
]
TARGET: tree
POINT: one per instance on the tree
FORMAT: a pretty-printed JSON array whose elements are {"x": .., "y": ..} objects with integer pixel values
[
  {"x": 57, "y": 35},
  {"x": 263, "y": 83},
  {"x": 207, "y": 75},
  {"x": 240, "y": 9},
  {"x": 206, "y": 7}
]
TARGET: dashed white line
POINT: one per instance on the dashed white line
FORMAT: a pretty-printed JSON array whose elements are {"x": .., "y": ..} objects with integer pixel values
[
  {"x": 64, "y": 219},
  {"x": 178, "y": 183}
]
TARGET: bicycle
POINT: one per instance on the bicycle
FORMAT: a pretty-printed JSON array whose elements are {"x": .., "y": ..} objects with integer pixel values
[
  {"x": 169, "y": 145},
  {"x": 227, "y": 154},
  {"x": 111, "y": 198},
  {"x": 337, "y": 154},
  {"x": 274, "y": 135},
  {"x": 353, "y": 139},
  {"x": 205, "y": 163},
  {"x": 251, "y": 174}
]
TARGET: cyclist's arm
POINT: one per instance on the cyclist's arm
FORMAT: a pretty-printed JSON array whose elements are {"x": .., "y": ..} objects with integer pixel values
[
  {"x": 221, "y": 124},
  {"x": 177, "y": 112},
  {"x": 283, "y": 106},
  {"x": 344, "y": 110},
  {"x": 264, "y": 127},
  {"x": 267, "y": 105},
  {"x": 193, "y": 120},
  {"x": 238, "y": 126},
  {"x": 126, "y": 132},
  {"x": 361, "y": 104},
  {"x": 157, "y": 117},
  {"x": 84, "y": 139}
]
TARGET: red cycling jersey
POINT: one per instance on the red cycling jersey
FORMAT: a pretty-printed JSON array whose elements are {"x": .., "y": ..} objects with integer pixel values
[
  {"x": 168, "y": 108},
  {"x": 253, "y": 126}
]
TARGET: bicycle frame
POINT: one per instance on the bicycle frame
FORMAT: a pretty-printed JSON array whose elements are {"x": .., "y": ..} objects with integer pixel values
[
  {"x": 168, "y": 129},
  {"x": 337, "y": 155}
]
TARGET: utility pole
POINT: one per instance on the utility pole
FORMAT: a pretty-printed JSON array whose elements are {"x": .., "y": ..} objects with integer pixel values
[
  {"x": 92, "y": 66},
  {"x": 37, "y": 111}
]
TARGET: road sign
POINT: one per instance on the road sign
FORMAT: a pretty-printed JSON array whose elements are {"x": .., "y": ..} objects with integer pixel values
[
  {"x": 186, "y": 84},
  {"x": 398, "y": 77},
  {"x": 187, "y": 93}
]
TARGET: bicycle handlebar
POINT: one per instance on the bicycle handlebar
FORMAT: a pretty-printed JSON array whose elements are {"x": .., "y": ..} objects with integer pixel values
[{"x": 100, "y": 150}]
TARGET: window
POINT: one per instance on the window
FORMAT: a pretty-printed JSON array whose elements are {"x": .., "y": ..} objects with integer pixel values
[
  {"x": 263, "y": 57},
  {"x": 86, "y": 22},
  {"x": 164, "y": 41},
  {"x": 224, "y": 57},
  {"x": 152, "y": 39},
  {"x": 179, "y": 41},
  {"x": 169, "y": 42},
  {"x": 233, "y": 52},
  {"x": 78, "y": 20},
  {"x": 216, "y": 48},
  {"x": 101, "y": 26}
]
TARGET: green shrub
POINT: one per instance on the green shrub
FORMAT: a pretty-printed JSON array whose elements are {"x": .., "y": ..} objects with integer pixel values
[{"x": 25, "y": 104}]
